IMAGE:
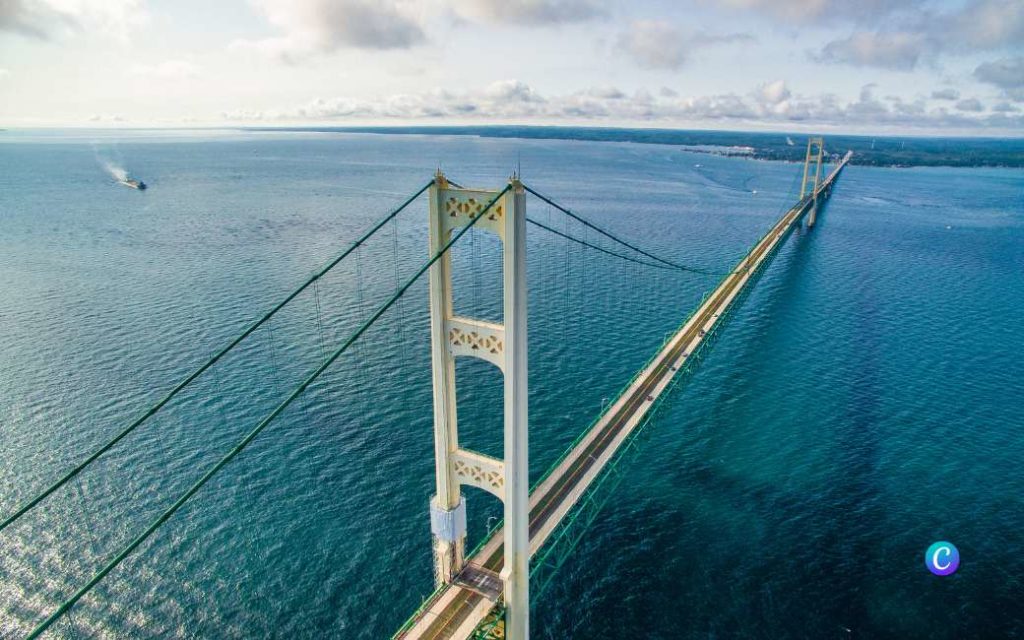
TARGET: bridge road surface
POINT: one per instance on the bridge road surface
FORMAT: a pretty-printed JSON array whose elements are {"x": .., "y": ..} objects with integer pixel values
[{"x": 456, "y": 610}]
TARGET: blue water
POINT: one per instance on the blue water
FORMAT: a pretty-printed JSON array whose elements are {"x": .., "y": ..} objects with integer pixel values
[{"x": 865, "y": 401}]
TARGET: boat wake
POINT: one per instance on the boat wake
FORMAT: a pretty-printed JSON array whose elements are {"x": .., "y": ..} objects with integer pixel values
[
  {"x": 118, "y": 172},
  {"x": 121, "y": 175}
]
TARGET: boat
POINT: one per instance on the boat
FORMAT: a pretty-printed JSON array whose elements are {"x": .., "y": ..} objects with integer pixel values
[{"x": 132, "y": 182}]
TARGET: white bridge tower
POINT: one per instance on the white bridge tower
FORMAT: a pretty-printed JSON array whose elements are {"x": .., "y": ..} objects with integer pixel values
[
  {"x": 815, "y": 152},
  {"x": 504, "y": 346}
]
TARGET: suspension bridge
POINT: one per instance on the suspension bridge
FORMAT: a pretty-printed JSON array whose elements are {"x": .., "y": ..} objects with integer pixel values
[{"x": 486, "y": 592}]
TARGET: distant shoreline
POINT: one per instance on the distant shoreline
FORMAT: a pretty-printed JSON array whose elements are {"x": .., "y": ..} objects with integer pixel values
[{"x": 877, "y": 151}]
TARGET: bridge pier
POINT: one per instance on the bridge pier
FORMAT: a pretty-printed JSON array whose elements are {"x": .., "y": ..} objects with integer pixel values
[{"x": 448, "y": 527}]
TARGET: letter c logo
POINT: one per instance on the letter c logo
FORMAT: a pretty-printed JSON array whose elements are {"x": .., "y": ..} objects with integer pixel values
[{"x": 942, "y": 558}]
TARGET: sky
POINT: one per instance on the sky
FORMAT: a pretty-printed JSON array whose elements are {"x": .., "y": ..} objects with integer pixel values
[{"x": 862, "y": 66}]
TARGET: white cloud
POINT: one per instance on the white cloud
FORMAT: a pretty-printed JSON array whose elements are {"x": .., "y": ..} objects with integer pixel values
[
  {"x": 607, "y": 93},
  {"x": 4, "y": 73},
  {"x": 700, "y": 38},
  {"x": 167, "y": 70},
  {"x": 528, "y": 12},
  {"x": 47, "y": 19},
  {"x": 27, "y": 18},
  {"x": 906, "y": 31},
  {"x": 767, "y": 104},
  {"x": 899, "y": 51},
  {"x": 973, "y": 25},
  {"x": 946, "y": 94},
  {"x": 512, "y": 91},
  {"x": 654, "y": 44},
  {"x": 1005, "y": 73},
  {"x": 972, "y": 105},
  {"x": 314, "y": 27},
  {"x": 916, "y": 108},
  {"x": 982, "y": 25},
  {"x": 811, "y": 11},
  {"x": 774, "y": 92},
  {"x": 657, "y": 44}
]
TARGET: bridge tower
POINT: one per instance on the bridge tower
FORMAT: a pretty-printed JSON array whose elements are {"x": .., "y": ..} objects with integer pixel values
[
  {"x": 815, "y": 153},
  {"x": 503, "y": 345}
]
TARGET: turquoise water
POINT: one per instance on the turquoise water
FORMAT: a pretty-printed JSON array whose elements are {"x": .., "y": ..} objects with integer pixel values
[{"x": 864, "y": 401}]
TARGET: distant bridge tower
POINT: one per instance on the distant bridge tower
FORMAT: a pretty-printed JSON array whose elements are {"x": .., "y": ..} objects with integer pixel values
[
  {"x": 815, "y": 153},
  {"x": 503, "y": 345}
]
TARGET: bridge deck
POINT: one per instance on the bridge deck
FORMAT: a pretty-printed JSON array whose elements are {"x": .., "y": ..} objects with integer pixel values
[{"x": 455, "y": 611}]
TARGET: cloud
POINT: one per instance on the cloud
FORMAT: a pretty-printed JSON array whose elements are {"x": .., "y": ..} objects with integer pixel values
[
  {"x": 982, "y": 25},
  {"x": 906, "y": 31},
  {"x": 946, "y": 94},
  {"x": 27, "y": 18},
  {"x": 661, "y": 45},
  {"x": 1005, "y": 73},
  {"x": 316, "y": 27},
  {"x": 899, "y": 51},
  {"x": 47, "y": 19},
  {"x": 701, "y": 38},
  {"x": 4, "y": 73},
  {"x": 528, "y": 12},
  {"x": 972, "y": 105},
  {"x": 774, "y": 92},
  {"x": 653, "y": 44},
  {"x": 168, "y": 70},
  {"x": 512, "y": 91},
  {"x": 816, "y": 11},
  {"x": 867, "y": 106},
  {"x": 607, "y": 93},
  {"x": 770, "y": 103},
  {"x": 973, "y": 25},
  {"x": 916, "y": 108}
]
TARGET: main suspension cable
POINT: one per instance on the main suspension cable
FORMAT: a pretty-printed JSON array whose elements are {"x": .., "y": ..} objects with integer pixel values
[
  {"x": 664, "y": 264},
  {"x": 166, "y": 515},
  {"x": 589, "y": 224},
  {"x": 25, "y": 508},
  {"x": 596, "y": 247}
]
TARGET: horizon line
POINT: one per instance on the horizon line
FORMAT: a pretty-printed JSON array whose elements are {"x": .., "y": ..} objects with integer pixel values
[{"x": 326, "y": 128}]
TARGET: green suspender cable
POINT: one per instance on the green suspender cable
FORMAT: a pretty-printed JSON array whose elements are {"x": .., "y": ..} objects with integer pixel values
[
  {"x": 166, "y": 515},
  {"x": 209, "y": 363},
  {"x": 572, "y": 215}
]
